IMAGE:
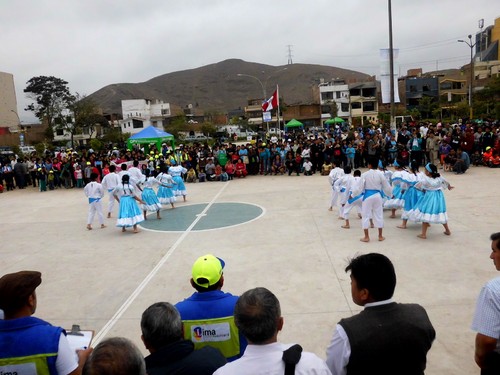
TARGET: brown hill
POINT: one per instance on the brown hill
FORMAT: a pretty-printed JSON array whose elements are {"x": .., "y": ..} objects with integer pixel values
[{"x": 218, "y": 88}]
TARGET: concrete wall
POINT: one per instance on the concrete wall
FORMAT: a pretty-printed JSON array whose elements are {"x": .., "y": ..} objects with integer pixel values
[{"x": 8, "y": 102}]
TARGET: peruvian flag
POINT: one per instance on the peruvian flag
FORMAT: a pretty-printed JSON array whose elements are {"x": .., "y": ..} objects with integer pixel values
[{"x": 271, "y": 103}]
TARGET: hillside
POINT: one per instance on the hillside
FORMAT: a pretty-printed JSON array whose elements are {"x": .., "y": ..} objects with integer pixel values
[{"x": 217, "y": 87}]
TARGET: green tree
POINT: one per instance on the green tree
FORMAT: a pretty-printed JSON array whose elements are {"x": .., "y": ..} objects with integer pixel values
[
  {"x": 208, "y": 129},
  {"x": 426, "y": 105},
  {"x": 51, "y": 97},
  {"x": 177, "y": 124},
  {"x": 487, "y": 101},
  {"x": 87, "y": 115}
]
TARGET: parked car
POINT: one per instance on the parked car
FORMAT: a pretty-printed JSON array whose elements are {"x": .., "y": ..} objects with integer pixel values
[
  {"x": 27, "y": 150},
  {"x": 196, "y": 138}
]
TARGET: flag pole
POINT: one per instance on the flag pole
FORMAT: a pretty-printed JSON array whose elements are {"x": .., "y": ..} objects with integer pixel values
[{"x": 278, "y": 110}]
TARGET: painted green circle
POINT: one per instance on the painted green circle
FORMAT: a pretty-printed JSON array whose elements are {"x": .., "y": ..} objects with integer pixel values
[{"x": 218, "y": 215}]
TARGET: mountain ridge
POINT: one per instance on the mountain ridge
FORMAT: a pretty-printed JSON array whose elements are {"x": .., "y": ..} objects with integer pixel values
[{"x": 217, "y": 87}]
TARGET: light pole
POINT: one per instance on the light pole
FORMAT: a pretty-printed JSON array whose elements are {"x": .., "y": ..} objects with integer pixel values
[
  {"x": 21, "y": 130},
  {"x": 258, "y": 80},
  {"x": 471, "y": 46},
  {"x": 391, "y": 68}
]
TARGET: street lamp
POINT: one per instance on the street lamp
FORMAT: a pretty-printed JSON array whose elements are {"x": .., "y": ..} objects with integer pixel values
[
  {"x": 21, "y": 130},
  {"x": 471, "y": 46},
  {"x": 263, "y": 86}
]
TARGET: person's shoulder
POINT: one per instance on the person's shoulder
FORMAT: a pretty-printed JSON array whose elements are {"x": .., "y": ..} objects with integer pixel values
[{"x": 493, "y": 284}]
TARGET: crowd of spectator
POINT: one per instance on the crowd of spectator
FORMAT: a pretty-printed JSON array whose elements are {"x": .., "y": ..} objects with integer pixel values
[{"x": 452, "y": 146}]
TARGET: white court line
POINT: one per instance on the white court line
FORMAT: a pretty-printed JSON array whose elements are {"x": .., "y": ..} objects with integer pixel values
[{"x": 110, "y": 324}]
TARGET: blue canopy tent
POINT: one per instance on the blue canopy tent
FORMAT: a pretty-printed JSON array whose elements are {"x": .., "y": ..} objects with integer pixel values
[{"x": 151, "y": 135}]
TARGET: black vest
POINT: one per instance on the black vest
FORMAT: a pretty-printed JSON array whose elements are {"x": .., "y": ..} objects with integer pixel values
[{"x": 389, "y": 339}]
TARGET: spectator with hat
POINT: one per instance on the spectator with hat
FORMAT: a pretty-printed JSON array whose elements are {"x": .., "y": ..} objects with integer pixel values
[
  {"x": 207, "y": 315},
  {"x": 29, "y": 344}
]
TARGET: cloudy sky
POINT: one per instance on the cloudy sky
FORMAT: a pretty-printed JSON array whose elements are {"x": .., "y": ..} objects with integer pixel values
[{"x": 94, "y": 43}]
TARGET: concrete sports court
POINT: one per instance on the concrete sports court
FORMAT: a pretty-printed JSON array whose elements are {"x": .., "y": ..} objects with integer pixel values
[{"x": 272, "y": 231}]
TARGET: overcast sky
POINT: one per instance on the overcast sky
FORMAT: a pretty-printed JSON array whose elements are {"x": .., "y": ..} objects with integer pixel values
[{"x": 94, "y": 43}]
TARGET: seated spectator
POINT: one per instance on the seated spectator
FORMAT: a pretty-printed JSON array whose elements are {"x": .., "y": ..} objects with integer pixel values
[
  {"x": 218, "y": 172},
  {"x": 277, "y": 165},
  {"x": 487, "y": 155},
  {"x": 161, "y": 328},
  {"x": 307, "y": 166},
  {"x": 240, "y": 169},
  {"x": 494, "y": 161},
  {"x": 258, "y": 316},
  {"x": 462, "y": 163},
  {"x": 449, "y": 160},
  {"x": 26, "y": 341},
  {"x": 211, "y": 310},
  {"x": 210, "y": 169},
  {"x": 326, "y": 168},
  {"x": 115, "y": 356},
  {"x": 191, "y": 175},
  {"x": 230, "y": 170},
  {"x": 476, "y": 159}
]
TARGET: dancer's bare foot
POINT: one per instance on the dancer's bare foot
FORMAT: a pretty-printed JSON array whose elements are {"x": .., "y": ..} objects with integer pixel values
[
  {"x": 136, "y": 230},
  {"x": 89, "y": 227},
  {"x": 359, "y": 216},
  {"x": 330, "y": 209},
  {"x": 158, "y": 217},
  {"x": 345, "y": 226},
  {"x": 103, "y": 226},
  {"x": 392, "y": 216},
  {"x": 421, "y": 236},
  {"x": 372, "y": 226},
  {"x": 365, "y": 239},
  {"x": 401, "y": 226},
  {"x": 447, "y": 232},
  {"x": 381, "y": 238},
  {"x": 109, "y": 215},
  {"x": 340, "y": 218},
  {"x": 123, "y": 229}
]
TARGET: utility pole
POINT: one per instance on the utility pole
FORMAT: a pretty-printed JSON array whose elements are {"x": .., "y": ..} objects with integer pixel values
[
  {"x": 391, "y": 68},
  {"x": 290, "y": 62}
]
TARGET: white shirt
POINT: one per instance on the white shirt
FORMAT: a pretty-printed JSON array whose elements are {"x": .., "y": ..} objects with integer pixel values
[
  {"x": 136, "y": 175},
  {"x": 110, "y": 181},
  {"x": 373, "y": 180},
  {"x": 93, "y": 190},
  {"x": 267, "y": 360},
  {"x": 339, "y": 350},
  {"x": 335, "y": 174}
]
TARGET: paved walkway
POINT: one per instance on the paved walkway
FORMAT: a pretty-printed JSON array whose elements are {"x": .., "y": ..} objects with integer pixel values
[{"x": 104, "y": 279}]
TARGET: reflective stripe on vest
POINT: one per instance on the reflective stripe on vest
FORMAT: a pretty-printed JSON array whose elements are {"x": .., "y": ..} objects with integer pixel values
[
  {"x": 29, "y": 365},
  {"x": 220, "y": 333}
]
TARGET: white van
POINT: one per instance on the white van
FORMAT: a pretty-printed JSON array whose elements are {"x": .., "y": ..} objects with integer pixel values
[{"x": 27, "y": 150}]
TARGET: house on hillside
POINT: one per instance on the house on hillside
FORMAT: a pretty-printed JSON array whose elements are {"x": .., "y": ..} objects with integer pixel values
[{"x": 141, "y": 113}]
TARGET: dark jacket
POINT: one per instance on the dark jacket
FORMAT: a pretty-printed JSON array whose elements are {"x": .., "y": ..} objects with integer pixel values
[{"x": 180, "y": 358}]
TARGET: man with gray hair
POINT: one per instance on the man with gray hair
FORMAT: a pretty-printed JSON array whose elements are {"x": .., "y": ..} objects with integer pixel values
[
  {"x": 258, "y": 317},
  {"x": 162, "y": 335},
  {"x": 115, "y": 356}
]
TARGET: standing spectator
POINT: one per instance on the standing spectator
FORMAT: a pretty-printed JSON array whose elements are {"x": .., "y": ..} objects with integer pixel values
[
  {"x": 161, "y": 328},
  {"x": 486, "y": 320},
  {"x": 209, "y": 308},
  {"x": 20, "y": 171},
  {"x": 386, "y": 337},
  {"x": 258, "y": 317}
]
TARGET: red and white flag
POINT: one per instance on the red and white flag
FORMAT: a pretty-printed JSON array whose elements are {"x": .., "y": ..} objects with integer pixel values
[{"x": 271, "y": 103}]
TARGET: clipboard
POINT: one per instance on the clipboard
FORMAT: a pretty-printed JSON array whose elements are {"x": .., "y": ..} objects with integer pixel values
[{"x": 79, "y": 339}]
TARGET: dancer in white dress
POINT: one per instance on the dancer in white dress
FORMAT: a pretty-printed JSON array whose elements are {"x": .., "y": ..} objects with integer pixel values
[
  {"x": 151, "y": 202},
  {"x": 177, "y": 171},
  {"x": 130, "y": 214}
]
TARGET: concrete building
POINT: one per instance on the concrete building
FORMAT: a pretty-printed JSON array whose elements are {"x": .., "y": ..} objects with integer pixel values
[
  {"x": 356, "y": 102},
  {"x": 141, "y": 113},
  {"x": 363, "y": 103},
  {"x": 336, "y": 92},
  {"x": 419, "y": 87},
  {"x": 487, "y": 43},
  {"x": 8, "y": 104}
]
